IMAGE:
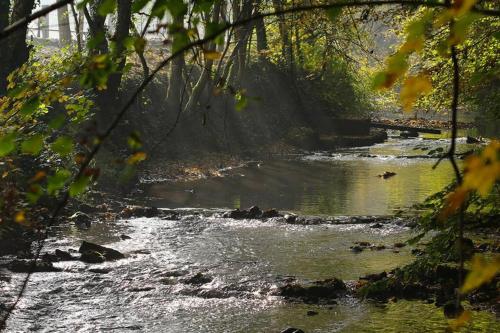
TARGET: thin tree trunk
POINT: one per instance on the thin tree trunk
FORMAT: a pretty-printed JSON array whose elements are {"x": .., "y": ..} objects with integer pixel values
[
  {"x": 108, "y": 98},
  {"x": 260, "y": 30},
  {"x": 4, "y": 54},
  {"x": 287, "y": 49},
  {"x": 242, "y": 35},
  {"x": 140, "y": 54},
  {"x": 122, "y": 32},
  {"x": 207, "y": 69},
  {"x": 63, "y": 24},
  {"x": 176, "y": 81},
  {"x": 78, "y": 27},
  {"x": 97, "y": 28},
  {"x": 15, "y": 50}
]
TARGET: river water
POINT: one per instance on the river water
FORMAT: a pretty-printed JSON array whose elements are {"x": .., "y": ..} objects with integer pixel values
[{"x": 247, "y": 259}]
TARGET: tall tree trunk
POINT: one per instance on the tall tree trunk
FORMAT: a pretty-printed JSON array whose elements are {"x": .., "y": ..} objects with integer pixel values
[
  {"x": 15, "y": 51},
  {"x": 97, "y": 28},
  {"x": 122, "y": 32},
  {"x": 140, "y": 53},
  {"x": 287, "y": 49},
  {"x": 176, "y": 80},
  {"x": 207, "y": 69},
  {"x": 64, "y": 27},
  {"x": 4, "y": 60},
  {"x": 242, "y": 35},
  {"x": 260, "y": 30},
  {"x": 108, "y": 98}
]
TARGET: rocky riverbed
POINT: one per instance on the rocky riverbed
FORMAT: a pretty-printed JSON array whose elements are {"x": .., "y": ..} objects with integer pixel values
[{"x": 240, "y": 259}]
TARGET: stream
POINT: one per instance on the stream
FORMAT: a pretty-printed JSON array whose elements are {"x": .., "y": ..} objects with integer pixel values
[{"x": 247, "y": 259}]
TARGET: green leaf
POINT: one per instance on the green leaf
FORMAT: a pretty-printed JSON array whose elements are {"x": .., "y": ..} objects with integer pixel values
[
  {"x": 241, "y": 101},
  {"x": 30, "y": 106},
  {"x": 7, "y": 143},
  {"x": 15, "y": 92},
  {"x": 138, "y": 5},
  {"x": 57, "y": 121},
  {"x": 134, "y": 141},
  {"x": 213, "y": 28},
  {"x": 181, "y": 39},
  {"x": 34, "y": 193},
  {"x": 139, "y": 45},
  {"x": 63, "y": 145},
  {"x": 79, "y": 186},
  {"x": 93, "y": 42},
  {"x": 177, "y": 8},
  {"x": 107, "y": 7},
  {"x": 333, "y": 13},
  {"x": 461, "y": 27},
  {"x": 159, "y": 8},
  {"x": 202, "y": 6},
  {"x": 379, "y": 80},
  {"x": 33, "y": 145},
  {"x": 57, "y": 181}
]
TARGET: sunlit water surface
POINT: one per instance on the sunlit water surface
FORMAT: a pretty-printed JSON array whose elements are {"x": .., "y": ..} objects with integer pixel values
[
  {"x": 247, "y": 259},
  {"x": 344, "y": 182}
]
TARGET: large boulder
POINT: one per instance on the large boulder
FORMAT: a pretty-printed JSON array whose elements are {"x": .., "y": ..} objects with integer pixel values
[
  {"x": 270, "y": 213},
  {"x": 198, "y": 279},
  {"x": 58, "y": 255},
  {"x": 25, "y": 266},
  {"x": 81, "y": 220},
  {"x": 315, "y": 292},
  {"x": 108, "y": 253},
  {"x": 92, "y": 257},
  {"x": 253, "y": 212}
]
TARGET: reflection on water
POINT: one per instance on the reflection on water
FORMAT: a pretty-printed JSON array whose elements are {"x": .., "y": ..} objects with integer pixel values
[
  {"x": 246, "y": 258},
  {"x": 322, "y": 183}
]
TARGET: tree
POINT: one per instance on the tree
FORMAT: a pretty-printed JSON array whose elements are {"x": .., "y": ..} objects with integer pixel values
[{"x": 15, "y": 51}]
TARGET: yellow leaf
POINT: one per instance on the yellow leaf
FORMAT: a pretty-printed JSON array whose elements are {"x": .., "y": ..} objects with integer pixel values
[
  {"x": 482, "y": 171},
  {"x": 461, "y": 7},
  {"x": 461, "y": 321},
  {"x": 413, "y": 88},
  {"x": 453, "y": 202},
  {"x": 212, "y": 55},
  {"x": 412, "y": 45},
  {"x": 397, "y": 65},
  {"x": 482, "y": 271},
  {"x": 20, "y": 217},
  {"x": 136, "y": 158}
]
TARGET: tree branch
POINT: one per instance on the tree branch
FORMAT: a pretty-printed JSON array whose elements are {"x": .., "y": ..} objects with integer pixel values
[
  {"x": 26, "y": 20},
  {"x": 488, "y": 12}
]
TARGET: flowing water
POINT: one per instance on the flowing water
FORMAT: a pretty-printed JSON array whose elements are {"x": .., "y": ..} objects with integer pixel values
[{"x": 246, "y": 258}]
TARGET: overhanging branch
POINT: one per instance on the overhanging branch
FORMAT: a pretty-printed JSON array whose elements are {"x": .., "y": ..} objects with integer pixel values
[{"x": 36, "y": 15}]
